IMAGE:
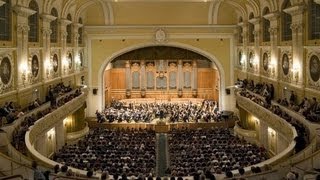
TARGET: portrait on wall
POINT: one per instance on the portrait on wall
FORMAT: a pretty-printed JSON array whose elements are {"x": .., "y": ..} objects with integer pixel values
[
  {"x": 251, "y": 60},
  {"x": 265, "y": 61},
  {"x": 285, "y": 64},
  {"x": 34, "y": 65},
  {"x": 70, "y": 61},
  {"x": 5, "y": 70},
  {"x": 240, "y": 56},
  {"x": 314, "y": 67},
  {"x": 55, "y": 63}
]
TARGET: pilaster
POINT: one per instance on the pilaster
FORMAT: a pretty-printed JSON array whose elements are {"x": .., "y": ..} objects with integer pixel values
[
  {"x": 75, "y": 28},
  {"x": 46, "y": 32},
  {"x": 22, "y": 43},
  {"x": 63, "y": 39},
  {"x": 256, "y": 22},
  {"x": 274, "y": 41},
  {"x": 297, "y": 27}
]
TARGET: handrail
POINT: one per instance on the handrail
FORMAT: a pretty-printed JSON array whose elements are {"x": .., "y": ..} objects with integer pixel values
[
  {"x": 11, "y": 177},
  {"x": 43, "y": 124},
  {"x": 312, "y": 126},
  {"x": 54, "y": 176}
]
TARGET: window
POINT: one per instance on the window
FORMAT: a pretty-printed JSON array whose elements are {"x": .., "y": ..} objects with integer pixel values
[
  {"x": 251, "y": 29},
  {"x": 5, "y": 21},
  {"x": 314, "y": 20},
  {"x": 69, "y": 30},
  {"x": 286, "y": 21},
  {"x": 33, "y": 22},
  {"x": 80, "y": 32},
  {"x": 54, "y": 26},
  {"x": 240, "y": 31},
  {"x": 266, "y": 26}
]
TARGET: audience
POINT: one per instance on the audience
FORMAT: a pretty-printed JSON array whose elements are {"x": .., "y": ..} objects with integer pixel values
[
  {"x": 214, "y": 150},
  {"x": 117, "y": 151},
  {"x": 303, "y": 134}
]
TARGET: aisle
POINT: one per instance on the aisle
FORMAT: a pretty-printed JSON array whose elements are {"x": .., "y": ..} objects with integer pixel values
[{"x": 161, "y": 154}]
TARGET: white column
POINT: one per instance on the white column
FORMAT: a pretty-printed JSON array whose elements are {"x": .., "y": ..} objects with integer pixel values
[
  {"x": 256, "y": 22},
  {"x": 297, "y": 42},
  {"x": 274, "y": 39},
  {"x": 60, "y": 135},
  {"x": 22, "y": 43},
  {"x": 46, "y": 32},
  {"x": 63, "y": 42},
  {"x": 76, "y": 27},
  {"x": 245, "y": 36}
]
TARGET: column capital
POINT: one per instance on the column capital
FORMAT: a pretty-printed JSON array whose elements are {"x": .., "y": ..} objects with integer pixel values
[
  {"x": 48, "y": 17},
  {"x": 273, "y": 30},
  {"x": 46, "y": 31},
  {"x": 317, "y": 1},
  {"x": 272, "y": 16},
  {"x": 295, "y": 10},
  {"x": 22, "y": 28},
  {"x": 297, "y": 27},
  {"x": 23, "y": 11}
]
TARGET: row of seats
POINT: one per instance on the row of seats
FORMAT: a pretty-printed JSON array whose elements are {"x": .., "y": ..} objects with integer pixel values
[{"x": 214, "y": 150}]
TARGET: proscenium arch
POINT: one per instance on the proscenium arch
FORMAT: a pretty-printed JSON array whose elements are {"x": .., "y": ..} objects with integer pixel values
[{"x": 211, "y": 57}]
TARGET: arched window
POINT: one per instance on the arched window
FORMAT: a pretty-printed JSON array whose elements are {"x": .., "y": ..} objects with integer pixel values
[
  {"x": 54, "y": 26},
  {"x": 240, "y": 31},
  {"x": 314, "y": 20},
  {"x": 69, "y": 29},
  {"x": 80, "y": 31},
  {"x": 251, "y": 29},
  {"x": 266, "y": 26},
  {"x": 286, "y": 21},
  {"x": 33, "y": 22},
  {"x": 5, "y": 21}
]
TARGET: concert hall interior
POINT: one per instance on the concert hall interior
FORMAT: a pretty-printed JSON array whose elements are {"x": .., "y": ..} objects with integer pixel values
[{"x": 160, "y": 89}]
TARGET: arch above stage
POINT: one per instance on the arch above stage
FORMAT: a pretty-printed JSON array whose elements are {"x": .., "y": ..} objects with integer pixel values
[{"x": 216, "y": 63}]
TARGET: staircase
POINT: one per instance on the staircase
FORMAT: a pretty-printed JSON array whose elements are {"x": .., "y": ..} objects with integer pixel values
[{"x": 162, "y": 149}]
